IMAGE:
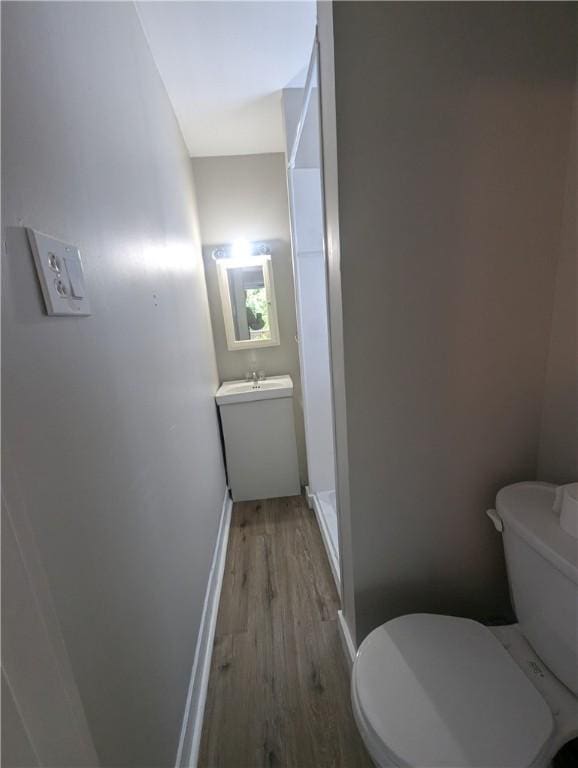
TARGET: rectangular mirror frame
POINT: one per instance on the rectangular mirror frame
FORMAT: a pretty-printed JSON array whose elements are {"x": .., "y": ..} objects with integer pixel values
[{"x": 223, "y": 265}]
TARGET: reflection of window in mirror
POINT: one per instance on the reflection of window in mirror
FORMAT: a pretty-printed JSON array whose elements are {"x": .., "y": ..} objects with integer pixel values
[{"x": 248, "y": 299}]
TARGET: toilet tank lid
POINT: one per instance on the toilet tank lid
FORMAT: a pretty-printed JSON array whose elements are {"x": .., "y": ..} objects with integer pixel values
[
  {"x": 528, "y": 510},
  {"x": 442, "y": 691}
]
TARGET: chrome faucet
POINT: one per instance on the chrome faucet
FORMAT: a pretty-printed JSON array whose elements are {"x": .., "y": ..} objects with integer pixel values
[{"x": 255, "y": 377}]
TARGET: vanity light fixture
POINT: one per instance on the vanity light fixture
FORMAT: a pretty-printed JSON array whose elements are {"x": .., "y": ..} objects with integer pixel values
[{"x": 241, "y": 250}]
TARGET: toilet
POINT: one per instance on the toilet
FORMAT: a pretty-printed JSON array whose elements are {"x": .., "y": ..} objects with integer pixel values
[{"x": 434, "y": 691}]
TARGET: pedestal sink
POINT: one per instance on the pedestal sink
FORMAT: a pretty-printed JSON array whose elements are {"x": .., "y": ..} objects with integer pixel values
[{"x": 259, "y": 434}]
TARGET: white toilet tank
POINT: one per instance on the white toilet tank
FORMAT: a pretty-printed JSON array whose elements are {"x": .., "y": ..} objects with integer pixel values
[{"x": 542, "y": 562}]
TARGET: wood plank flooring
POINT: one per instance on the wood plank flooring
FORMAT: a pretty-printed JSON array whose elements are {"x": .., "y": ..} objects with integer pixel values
[{"x": 279, "y": 685}]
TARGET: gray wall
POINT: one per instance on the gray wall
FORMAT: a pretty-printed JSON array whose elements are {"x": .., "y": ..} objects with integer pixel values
[
  {"x": 558, "y": 457},
  {"x": 110, "y": 439},
  {"x": 245, "y": 196},
  {"x": 452, "y": 143}
]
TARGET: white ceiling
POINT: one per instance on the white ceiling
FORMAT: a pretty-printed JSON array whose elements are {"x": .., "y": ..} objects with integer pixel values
[{"x": 224, "y": 65}]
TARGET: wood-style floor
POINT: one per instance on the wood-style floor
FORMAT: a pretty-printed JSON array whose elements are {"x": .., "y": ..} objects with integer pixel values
[{"x": 279, "y": 686}]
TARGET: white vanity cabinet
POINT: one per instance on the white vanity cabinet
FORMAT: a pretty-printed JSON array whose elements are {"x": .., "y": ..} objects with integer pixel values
[{"x": 259, "y": 434}]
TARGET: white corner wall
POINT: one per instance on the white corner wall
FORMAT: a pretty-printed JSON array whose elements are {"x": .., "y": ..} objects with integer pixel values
[
  {"x": 111, "y": 452},
  {"x": 452, "y": 158}
]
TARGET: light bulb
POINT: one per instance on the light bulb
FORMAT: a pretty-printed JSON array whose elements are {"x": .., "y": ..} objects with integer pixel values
[{"x": 241, "y": 249}]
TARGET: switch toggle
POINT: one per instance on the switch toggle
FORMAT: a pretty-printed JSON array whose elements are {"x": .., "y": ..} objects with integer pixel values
[{"x": 74, "y": 270}]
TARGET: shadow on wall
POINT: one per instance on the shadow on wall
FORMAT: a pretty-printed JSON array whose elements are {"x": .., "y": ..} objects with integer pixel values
[{"x": 451, "y": 187}]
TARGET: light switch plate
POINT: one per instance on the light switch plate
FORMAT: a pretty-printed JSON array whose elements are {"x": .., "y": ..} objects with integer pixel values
[{"x": 59, "y": 268}]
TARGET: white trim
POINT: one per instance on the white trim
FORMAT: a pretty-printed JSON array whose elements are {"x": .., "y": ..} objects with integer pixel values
[
  {"x": 346, "y": 639},
  {"x": 190, "y": 739},
  {"x": 330, "y": 546}
]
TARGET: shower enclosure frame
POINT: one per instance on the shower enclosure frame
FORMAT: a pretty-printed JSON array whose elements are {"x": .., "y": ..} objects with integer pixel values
[{"x": 324, "y": 501}]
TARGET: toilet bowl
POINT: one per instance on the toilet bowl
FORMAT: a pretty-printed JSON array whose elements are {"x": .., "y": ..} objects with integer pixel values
[{"x": 445, "y": 691}]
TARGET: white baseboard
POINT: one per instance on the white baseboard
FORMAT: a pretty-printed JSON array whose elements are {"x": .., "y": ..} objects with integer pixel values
[
  {"x": 190, "y": 740},
  {"x": 332, "y": 555},
  {"x": 346, "y": 639}
]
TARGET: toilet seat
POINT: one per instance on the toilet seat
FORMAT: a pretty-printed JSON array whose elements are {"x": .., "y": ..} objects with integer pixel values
[{"x": 442, "y": 691}]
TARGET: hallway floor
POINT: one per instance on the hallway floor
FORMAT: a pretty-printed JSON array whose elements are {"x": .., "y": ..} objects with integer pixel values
[{"x": 279, "y": 685}]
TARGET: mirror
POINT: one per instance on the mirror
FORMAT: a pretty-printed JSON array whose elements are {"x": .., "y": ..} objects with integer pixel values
[{"x": 248, "y": 300}]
